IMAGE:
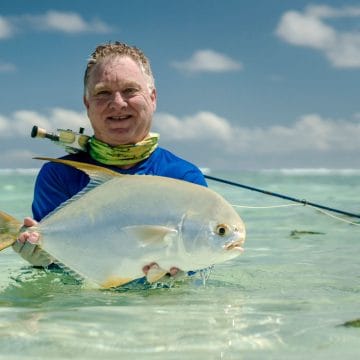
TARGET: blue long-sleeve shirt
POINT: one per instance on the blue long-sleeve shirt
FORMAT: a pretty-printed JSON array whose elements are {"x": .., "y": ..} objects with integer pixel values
[{"x": 57, "y": 183}]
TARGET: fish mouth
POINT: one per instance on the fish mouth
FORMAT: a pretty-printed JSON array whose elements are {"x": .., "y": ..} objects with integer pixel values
[{"x": 236, "y": 245}]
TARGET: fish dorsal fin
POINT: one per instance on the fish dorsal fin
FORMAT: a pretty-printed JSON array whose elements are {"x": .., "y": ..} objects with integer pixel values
[
  {"x": 151, "y": 234},
  {"x": 97, "y": 174}
]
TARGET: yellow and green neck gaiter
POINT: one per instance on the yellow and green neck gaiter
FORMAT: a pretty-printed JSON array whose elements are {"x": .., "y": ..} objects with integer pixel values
[{"x": 123, "y": 154}]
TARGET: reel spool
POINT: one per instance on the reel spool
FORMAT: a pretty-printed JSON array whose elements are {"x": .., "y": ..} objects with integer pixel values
[{"x": 72, "y": 141}]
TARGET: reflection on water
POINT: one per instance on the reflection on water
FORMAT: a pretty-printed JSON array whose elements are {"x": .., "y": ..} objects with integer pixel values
[
  {"x": 284, "y": 298},
  {"x": 48, "y": 311}
]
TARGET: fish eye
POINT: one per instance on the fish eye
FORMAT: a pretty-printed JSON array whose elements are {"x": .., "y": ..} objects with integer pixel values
[{"x": 222, "y": 229}]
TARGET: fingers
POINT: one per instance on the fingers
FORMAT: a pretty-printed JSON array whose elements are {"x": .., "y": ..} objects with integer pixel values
[
  {"x": 173, "y": 271},
  {"x": 28, "y": 222},
  {"x": 31, "y": 237},
  {"x": 31, "y": 252},
  {"x": 26, "y": 249},
  {"x": 24, "y": 234},
  {"x": 152, "y": 266},
  {"x": 27, "y": 245},
  {"x": 18, "y": 245}
]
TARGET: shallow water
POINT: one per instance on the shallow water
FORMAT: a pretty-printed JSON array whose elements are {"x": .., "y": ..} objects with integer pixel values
[{"x": 285, "y": 297}]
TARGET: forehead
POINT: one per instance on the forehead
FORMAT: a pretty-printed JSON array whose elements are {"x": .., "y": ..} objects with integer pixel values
[{"x": 115, "y": 69}]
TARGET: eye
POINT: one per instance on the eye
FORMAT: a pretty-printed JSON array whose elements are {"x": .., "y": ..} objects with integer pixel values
[
  {"x": 102, "y": 93},
  {"x": 222, "y": 229},
  {"x": 130, "y": 91}
]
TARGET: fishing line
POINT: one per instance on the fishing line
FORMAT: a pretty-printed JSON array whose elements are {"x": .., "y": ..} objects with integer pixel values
[
  {"x": 265, "y": 207},
  {"x": 287, "y": 205},
  {"x": 337, "y": 217},
  {"x": 303, "y": 201}
]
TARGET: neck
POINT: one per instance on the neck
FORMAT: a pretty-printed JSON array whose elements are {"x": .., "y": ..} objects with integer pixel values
[
  {"x": 126, "y": 167},
  {"x": 123, "y": 156}
]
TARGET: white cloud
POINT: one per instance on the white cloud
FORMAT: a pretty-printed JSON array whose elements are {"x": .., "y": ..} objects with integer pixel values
[
  {"x": 52, "y": 20},
  {"x": 326, "y": 11},
  {"x": 68, "y": 22},
  {"x": 309, "y": 29},
  {"x": 208, "y": 61},
  {"x": 3, "y": 124},
  {"x": 310, "y": 132},
  {"x": 21, "y": 122},
  {"x": 203, "y": 125},
  {"x": 209, "y": 139},
  {"x": 69, "y": 119},
  {"x": 7, "y": 67},
  {"x": 6, "y": 29},
  {"x": 302, "y": 30},
  {"x": 15, "y": 156}
]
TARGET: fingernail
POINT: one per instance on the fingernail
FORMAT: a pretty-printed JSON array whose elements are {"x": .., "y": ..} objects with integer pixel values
[{"x": 33, "y": 238}]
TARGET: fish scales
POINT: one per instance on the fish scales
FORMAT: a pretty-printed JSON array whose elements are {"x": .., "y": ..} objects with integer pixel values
[{"x": 109, "y": 233}]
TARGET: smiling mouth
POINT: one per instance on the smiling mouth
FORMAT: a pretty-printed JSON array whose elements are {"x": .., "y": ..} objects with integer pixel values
[{"x": 119, "y": 118}]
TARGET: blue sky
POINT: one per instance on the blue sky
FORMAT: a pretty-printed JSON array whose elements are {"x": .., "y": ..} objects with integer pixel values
[{"x": 241, "y": 84}]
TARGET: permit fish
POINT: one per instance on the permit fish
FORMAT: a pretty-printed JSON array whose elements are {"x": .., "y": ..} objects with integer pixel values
[{"x": 120, "y": 223}]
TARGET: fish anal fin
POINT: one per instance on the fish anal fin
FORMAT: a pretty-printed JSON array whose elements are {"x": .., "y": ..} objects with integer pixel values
[
  {"x": 97, "y": 173},
  {"x": 115, "y": 281},
  {"x": 151, "y": 234}
]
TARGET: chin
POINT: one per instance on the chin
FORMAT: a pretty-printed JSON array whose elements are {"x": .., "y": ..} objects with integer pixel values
[{"x": 119, "y": 137}]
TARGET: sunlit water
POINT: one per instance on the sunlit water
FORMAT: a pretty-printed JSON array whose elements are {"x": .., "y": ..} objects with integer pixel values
[{"x": 286, "y": 297}]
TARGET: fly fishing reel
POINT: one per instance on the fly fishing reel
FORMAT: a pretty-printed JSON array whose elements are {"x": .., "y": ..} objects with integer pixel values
[{"x": 72, "y": 141}]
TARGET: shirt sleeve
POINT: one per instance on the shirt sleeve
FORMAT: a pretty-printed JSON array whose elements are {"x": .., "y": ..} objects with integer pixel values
[
  {"x": 165, "y": 163},
  {"x": 55, "y": 184},
  {"x": 195, "y": 176}
]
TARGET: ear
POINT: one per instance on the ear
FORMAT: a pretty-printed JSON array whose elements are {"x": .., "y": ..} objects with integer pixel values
[
  {"x": 153, "y": 97},
  {"x": 86, "y": 102}
]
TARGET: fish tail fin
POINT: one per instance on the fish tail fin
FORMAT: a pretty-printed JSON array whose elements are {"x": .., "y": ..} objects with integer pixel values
[{"x": 9, "y": 230}]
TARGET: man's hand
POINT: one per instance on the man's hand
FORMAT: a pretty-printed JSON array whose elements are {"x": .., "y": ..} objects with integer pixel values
[
  {"x": 26, "y": 245},
  {"x": 154, "y": 273}
]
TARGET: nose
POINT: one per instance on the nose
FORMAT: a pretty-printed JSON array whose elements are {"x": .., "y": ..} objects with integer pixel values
[{"x": 117, "y": 100}]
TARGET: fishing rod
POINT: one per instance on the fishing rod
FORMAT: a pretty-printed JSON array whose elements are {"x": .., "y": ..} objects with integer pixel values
[
  {"x": 77, "y": 141},
  {"x": 301, "y": 201}
]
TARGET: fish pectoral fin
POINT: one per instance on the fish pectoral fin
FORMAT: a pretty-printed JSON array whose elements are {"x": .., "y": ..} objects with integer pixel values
[
  {"x": 155, "y": 274},
  {"x": 151, "y": 234}
]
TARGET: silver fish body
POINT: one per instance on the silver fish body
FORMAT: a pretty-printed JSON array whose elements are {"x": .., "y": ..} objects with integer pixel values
[{"x": 111, "y": 231}]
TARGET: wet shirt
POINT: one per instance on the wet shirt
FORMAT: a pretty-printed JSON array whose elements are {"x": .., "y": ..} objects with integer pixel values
[{"x": 57, "y": 183}]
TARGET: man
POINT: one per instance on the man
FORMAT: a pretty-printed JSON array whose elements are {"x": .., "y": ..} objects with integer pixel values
[{"x": 120, "y": 98}]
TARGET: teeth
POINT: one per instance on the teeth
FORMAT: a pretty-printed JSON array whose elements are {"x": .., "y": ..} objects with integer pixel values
[{"x": 119, "y": 117}]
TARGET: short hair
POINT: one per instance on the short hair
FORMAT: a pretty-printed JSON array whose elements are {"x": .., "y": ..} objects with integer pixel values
[{"x": 119, "y": 49}]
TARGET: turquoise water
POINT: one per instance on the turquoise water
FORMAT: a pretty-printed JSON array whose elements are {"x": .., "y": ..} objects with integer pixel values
[{"x": 286, "y": 297}]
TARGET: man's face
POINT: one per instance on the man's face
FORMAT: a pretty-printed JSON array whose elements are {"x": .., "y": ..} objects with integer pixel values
[{"x": 119, "y": 103}]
